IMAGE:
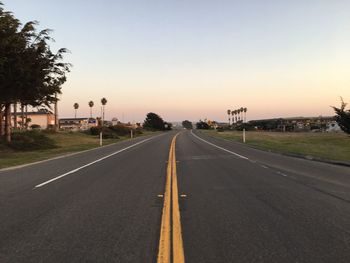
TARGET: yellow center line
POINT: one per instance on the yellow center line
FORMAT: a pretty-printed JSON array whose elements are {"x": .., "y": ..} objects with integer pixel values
[{"x": 171, "y": 229}]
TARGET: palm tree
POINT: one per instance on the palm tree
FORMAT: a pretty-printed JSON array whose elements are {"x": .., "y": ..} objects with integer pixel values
[
  {"x": 104, "y": 102},
  {"x": 91, "y": 104},
  {"x": 76, "y": 107},
  {"x": 245, "y": 114},
  {"x": 233, "y": 118},
  {"x": 229, "y": 119},
  {"x": 241, "y": 111}
]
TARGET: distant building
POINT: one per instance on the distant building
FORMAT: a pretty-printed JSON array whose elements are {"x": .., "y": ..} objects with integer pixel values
[
  {"x": 43, "y": 119},
  {"x": 294, "y": 123},
  {"x": 333, "y": 127},
  {"x": 115, "y": 121},
  {"x": 76, "y": 124}
]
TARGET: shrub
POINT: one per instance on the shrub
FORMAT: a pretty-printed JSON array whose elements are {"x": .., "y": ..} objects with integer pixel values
[
  {"x": 95, "y": 130},
  {"x": 107, "y": 132},
  {"x": 35, "y": 127},
  {"x": 120, "y": 130},
  {"x": 31, "y": 140}
]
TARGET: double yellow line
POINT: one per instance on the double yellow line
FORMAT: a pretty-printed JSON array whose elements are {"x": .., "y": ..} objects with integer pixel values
[{"x": 170, "y": 242}]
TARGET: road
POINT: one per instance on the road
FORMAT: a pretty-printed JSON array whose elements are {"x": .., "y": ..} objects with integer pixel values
[{"x": 153, "y": 198}]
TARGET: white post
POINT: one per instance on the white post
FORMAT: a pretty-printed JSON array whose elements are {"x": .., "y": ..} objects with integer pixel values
[
  {"x": 131, "y": 134},
  {"x": 244, "y": 135},
  {"x": 101, "y": 138}
]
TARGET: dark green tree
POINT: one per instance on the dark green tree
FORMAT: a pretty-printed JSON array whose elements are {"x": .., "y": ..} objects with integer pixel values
[
  {"x": 154, "y": 122},
  {"x": 168, "y": 126},
  {"x": 187, "y": 124},
  {"x": 343, "y": 117},
  {"x": 30, "y": 73},
  {"x": 202, "y": 125}
]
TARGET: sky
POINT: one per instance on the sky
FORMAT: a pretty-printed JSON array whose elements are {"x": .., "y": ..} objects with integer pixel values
[{"x": 194, "y": 59}]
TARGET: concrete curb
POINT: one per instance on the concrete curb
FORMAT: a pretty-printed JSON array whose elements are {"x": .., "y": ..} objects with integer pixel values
[{"x": 300, "y": 156}]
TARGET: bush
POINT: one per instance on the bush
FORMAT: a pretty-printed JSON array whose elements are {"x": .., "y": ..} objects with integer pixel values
[
  {"x": 138, "y": 131},
  {"x": 35, "y": 127},
  {"x": 95, "y": 130},
  {"x": 202, "y": 125},
  {"x": 31, "y": 140},
  {"x": 107, "y": 132},
  {"x": 120, "y": 130}
]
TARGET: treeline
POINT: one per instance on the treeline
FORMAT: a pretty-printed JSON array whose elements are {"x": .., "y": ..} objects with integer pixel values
[
  {"x": 31, "y": 74},
  {"x": 154, "y": 122}
]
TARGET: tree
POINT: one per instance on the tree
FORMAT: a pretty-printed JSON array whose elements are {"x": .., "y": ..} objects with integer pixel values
[
  {"x": 187, "y": 124},
  {"x": 168, "y": 126},
  {"x": 76, "y": 107},
  {"x": 241, "y": 113},
  {"x": 30, "y": 73},
  {"x": 343, "y": 117},
  {"x": 202, "y": 125},
  {"x": 154, "y": 122},
  {"x": 91, "y": 104},
  {"x": 103, "y": 102},
  {"x": 229, "y": 115}
]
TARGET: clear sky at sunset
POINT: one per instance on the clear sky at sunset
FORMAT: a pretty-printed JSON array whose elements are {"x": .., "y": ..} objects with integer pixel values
[{"x": 192, "y": 59}]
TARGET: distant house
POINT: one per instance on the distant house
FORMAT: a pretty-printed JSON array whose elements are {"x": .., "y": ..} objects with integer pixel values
[
  {"x": 293, "y": 124},
  {"x": 115, "y": 121},
  {"x": 76, "y": 124},
  {"x": 43, "y": 119},
  {"x": 333, "y": 127}
]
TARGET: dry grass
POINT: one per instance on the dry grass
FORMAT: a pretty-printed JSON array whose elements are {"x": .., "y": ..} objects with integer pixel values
[
  {"x": 330, "y": 146},
  {"x": 67, "y": 142}
]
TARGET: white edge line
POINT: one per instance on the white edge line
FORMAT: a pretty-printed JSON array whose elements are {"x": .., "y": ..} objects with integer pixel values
[
  {"x": 64, "y": 155},
  {"x": 212, "y": 144},
  {"x": 89, "y": 164}
]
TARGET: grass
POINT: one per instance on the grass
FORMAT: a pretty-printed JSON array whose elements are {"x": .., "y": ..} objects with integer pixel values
[
  {"x": 66, "y": 142},
  {"x": 328, "y": 146}
]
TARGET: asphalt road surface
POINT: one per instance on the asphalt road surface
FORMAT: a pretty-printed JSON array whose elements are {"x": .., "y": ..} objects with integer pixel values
[{"x": 236, "y": 204}]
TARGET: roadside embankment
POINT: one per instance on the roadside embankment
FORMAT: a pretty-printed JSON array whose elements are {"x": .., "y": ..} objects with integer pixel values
[{"x": 319, "y": 146}]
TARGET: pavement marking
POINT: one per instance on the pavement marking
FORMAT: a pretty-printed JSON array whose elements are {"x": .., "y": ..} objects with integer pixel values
[
  {"x": 263, "y": 166},
  {"x": 212, "y": 144},
  {"x": 282, "y": 174},
  {"x": 89, "y": 164},
  {"x": 170, "y": 242},
  {"x": 165, "y": 228}
]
